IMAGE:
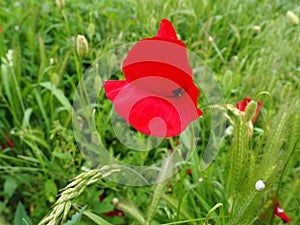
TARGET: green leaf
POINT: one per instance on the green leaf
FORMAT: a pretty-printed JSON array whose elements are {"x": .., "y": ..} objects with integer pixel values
[
  {"x": 58, "y": 94},
  {"x": 62, "y": 155},
  {"x": 50, "y": 190},
  {"x": 2, "y": 221},
  {"x": 76, "y": 217},
  {"x": 95, "y": 218},
  {"x": 26, "y": 118},
  {"x": 21, "y": 217},
  {"x": 10, "y": 186}
]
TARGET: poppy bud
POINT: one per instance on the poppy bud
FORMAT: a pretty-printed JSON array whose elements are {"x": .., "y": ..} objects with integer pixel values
[
  {"x": 60, "y": 3},
  {"x": 82, "y": 46},
  {"x": 55, "y": 79},
  {"x": 153, "y": 22},
  {"x": 294, "y": 20},
  {"x": 91, "y": 29},
  {"x": 250, "y": 110},
  {"x": 256, "y": 28}
]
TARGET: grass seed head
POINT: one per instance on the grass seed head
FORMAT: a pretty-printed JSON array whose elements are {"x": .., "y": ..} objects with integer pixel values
[{"x": 250, "y": 110}]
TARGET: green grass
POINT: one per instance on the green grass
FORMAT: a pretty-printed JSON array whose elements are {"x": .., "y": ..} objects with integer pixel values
[{"x": 38, "y": 84}]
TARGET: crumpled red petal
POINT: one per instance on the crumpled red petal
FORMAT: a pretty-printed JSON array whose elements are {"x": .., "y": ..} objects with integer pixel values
[
  {"x": 242, "y": 105},
  {"x": 280, "y": 213},
  {"x": 259, "y": 104},
  {"x": 114, "y": 213},
  {"x": 9, "y": 143}
]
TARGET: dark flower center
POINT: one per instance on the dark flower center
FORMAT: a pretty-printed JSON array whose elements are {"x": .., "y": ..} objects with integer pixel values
[{"x": 177, "y": 92}]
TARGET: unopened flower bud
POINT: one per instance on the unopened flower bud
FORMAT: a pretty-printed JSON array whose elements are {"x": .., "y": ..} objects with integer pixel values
[
  {"x": 256, "y": 28},
  {"x": 60, "y": 3},
  {"x": 229, "y": 131},
  {"x": 153, "y": 22},
  {"x": 55, "y": 79},
  {"x": 91, "y": 29},
  {"x": 294, "y": 20},
  {"x": 115, "y": 201},
  {"x": 260, "y": 185},
  {"x": 82, "y": 46},
  {"x": 250, "y": 110}
]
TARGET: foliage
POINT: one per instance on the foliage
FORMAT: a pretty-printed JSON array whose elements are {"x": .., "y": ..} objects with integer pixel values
[{"x": 252, "y": 50}]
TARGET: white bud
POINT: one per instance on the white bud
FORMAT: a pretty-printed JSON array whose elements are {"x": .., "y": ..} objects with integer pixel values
[
  {"x": 85, "y": 169},
  {"x": 200, "y": 179},
  {"x": 115, "y": 201},
  {"x": 229, "y": 131},
  {"x": 210, "y": 39},
  {"x": 51, "y": 61},
  {"x": 260, "y": 185}
]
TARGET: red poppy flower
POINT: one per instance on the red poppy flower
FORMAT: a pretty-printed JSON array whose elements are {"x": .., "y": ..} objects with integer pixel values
[
  {"x": 243, "y": 104},
  {"x": 158, "y": 96},
  {"x": 0, "y": 29},
  {"x": 189, "y": 171}
]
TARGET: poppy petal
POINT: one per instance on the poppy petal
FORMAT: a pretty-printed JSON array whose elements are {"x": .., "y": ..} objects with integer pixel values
[
  {"x": 157, "y": 117},
  {"x": 167, "y": 30},
  {"x": 280, "y": 213},
  {"x": 154, "y": 114},
  {"x": 113, "y": 87},
  {"x": 158, "y": 58}
]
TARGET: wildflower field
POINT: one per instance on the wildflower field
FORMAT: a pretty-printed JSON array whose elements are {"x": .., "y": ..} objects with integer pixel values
[{"x": 149, "y": 112}]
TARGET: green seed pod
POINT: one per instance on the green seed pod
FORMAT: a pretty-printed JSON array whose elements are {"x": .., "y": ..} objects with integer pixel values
[
  {"x": 293, "y": 18},
  {"x": 250, "y": 110},
  {"x": 82, "y": 46}
]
